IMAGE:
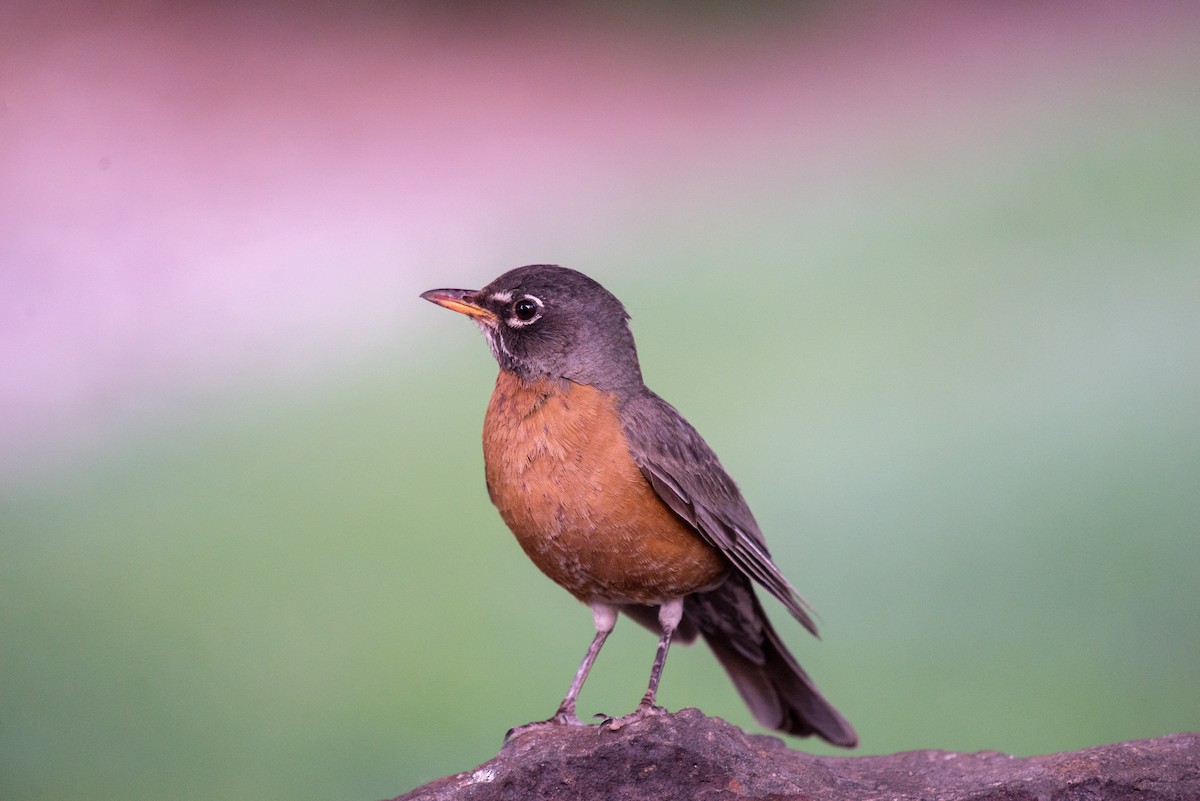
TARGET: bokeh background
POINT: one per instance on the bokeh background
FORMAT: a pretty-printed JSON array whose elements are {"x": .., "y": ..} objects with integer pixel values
[{"x": 926, "y": 276}]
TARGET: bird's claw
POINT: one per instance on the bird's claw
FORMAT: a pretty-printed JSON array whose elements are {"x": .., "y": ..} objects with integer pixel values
[
  {"x": 560, "y": 718},
  {"x": 642, "y": 712}
]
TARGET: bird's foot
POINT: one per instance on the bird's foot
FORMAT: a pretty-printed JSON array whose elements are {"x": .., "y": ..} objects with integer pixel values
[
  {"x": 563, "y": 717},
  {"x": 643, "y": 711}
]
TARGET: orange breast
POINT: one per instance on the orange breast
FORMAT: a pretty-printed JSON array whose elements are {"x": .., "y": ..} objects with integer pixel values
[{"x": 559, "y": 471}]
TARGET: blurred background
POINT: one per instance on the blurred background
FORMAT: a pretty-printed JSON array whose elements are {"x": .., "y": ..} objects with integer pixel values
[{"x": 926, "y": 276}]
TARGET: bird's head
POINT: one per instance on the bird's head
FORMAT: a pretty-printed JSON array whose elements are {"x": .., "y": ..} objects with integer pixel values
[{"x": 543, "y": 321}]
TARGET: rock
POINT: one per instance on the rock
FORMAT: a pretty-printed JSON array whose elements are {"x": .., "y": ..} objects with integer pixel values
[{"x": 689, "y": 756}]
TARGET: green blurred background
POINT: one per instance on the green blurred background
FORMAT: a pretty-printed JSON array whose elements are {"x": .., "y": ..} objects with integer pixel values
[{"x": 927, "y": 279}]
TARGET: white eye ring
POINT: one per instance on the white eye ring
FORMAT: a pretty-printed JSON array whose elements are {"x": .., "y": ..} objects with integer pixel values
[{"x": 526, "y": 311}]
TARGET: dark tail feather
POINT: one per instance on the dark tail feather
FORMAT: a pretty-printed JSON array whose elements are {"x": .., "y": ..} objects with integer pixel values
[{"x": 778, "y": 691}]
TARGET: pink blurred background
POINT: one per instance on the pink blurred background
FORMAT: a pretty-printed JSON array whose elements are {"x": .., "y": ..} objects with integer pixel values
[{"x": 199, "y": 196}]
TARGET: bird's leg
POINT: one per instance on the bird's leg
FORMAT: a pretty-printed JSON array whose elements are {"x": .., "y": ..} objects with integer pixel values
[
  {"x": 669, "y": 615},
  {"x": 605, "y": 618}
]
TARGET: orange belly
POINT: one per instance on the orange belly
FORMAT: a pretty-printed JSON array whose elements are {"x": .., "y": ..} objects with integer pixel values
[{"x": 559, "y": 471}]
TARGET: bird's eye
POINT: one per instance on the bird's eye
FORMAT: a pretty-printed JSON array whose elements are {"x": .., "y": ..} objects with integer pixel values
[{"x": 526, "y": 309}]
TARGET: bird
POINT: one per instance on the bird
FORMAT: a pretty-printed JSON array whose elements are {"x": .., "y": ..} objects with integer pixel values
[{"x": 615, "y": 497}]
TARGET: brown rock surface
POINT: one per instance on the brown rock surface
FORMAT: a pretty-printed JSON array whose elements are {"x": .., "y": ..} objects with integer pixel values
[{"x": 689, "y": 756}]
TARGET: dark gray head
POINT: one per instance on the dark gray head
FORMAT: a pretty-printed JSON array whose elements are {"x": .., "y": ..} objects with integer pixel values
[{"x": 543, "y": 321}]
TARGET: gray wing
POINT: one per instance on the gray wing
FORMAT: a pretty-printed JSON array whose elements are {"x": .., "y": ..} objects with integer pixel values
[{"x": 689, "y": 478}]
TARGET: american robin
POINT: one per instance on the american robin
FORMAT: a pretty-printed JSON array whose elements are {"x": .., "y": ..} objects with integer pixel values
[{"x": 614, "y": 496}]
